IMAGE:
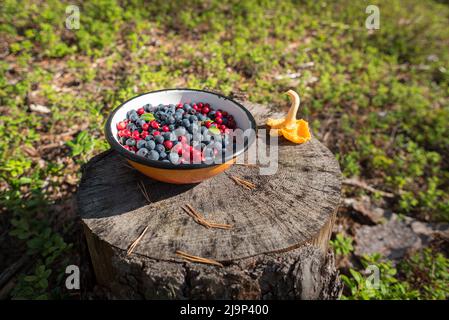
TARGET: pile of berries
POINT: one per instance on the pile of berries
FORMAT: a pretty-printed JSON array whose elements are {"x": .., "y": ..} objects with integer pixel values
[{"x": 182, "y": 133}]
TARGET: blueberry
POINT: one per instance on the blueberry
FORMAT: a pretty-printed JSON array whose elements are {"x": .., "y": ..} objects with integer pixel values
[
  {"x": 166, "y": 135},
  {"x": 193, "y": 119},
  {"x": 153, "y": 155},
  {"x": 142, "y": 152},
  {"x": 122, "y": 140},
  {"x": 130, "y": 142},
  {"x": 171, "y": 127},
  {"x": 134, "y": 117},
  {"x": 186, "y": 123},
  {"x": 193, "y": 128},
  {"x": 196, "y": 136},
  {"x": 171, "y": 119},
  {"x": 178, "y": 117},
  {"x": 159, "y": 139},
  {"x": 173, "y": 157},
  {"x": 149, "y": 137},
  {"x": 148, "y": 107},
  {"x": 211, "y": 114},
  {"x": 180, "y": 131},
  {"x": 187, "y": 106},
  {"x": 201, "y": 117},
  {"x": 131, "y": 126},
  {"x": 131, "y": 112},
  {"x": 163, "y": 155},
  {"x": 141, "y": 122},
  {"x": 140, "y": 144},
  {"x": 203, "y": 129},
  {"x": 159, "y": 148},
  {"x": 150, "y": 145}
]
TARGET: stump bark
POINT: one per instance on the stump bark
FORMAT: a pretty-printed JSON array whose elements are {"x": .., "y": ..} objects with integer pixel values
[{"x": 277, "y": 248}]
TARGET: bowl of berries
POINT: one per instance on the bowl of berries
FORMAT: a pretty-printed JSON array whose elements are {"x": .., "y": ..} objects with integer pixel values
[{"x": 180, "y": 136}]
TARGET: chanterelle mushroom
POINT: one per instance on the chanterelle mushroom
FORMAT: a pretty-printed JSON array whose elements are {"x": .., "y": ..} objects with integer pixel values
[{"x": 292, "y": 129}]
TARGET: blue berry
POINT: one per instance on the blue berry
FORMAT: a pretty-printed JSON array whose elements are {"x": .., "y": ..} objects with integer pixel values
[
  {"x": 163, "y": 155},
  {"x": 130, "y": 142},
  {"x": 186, "y": 123},
  {"x": 193, "y": 119},
  {"x": 173, "y": 157},
  {"x": 171, "y": 127},
  {"x": 140, "y": 144},
  {"x": 142, "y": 152},
  {"x": 159, "y": 139},
  {"x": 159, "y": 148},
  {"x": 150, "y": 145},
  {"x": 134, "y": 117},
  {"x": 153, "y": 155},
  {"x": 149, "y": 137},
  {"x": 180, "y": 131}
]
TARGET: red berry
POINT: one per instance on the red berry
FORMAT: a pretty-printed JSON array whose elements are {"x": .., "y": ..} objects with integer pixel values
[
  {"x": 136, "y": 134},
  {"x": 127, "y": 133},
  {"x": 179, "y": 106},
  {"x": 207, "y": 105},
  {"x": 218, "y": 114},
  {"x": 205, "y": 110},
  {"x": 121, "y": 133},
  {"x": 222, "y": 127},
  {"x": 195, "y": 107},
  {"x": 144, "y": 134},
  {"x": 230, "y": 118},
  {"x": 154, "y": 124},
  {"x": 207, "y": 124},
  {"x": 156, "y": 133},
  {"x": 182, "y": 139},
  {"x": 165, "y": 128},
  {"x": 134, "y": 148},
  {"x": 121, "y": 125},
  {"x": 127, "y": 147},
  {"x": 200, "y": 104},
  {"x": 219, "y": 120},
  {"x": 145, "y": 126},
  {"x": 168, "y": 144},
  {"x": 140, "y": 111},
  {"x": 224, "y": 113}
]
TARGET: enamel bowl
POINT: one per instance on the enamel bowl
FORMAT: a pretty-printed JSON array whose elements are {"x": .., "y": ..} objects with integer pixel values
[{"x": 180, "y": 173}]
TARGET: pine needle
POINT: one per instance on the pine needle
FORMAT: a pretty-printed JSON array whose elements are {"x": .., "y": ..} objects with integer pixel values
[
  {"x": 192, "y": 258},
  {"x": 134, "y": 244},
  {"x": 202, "y": 221}
]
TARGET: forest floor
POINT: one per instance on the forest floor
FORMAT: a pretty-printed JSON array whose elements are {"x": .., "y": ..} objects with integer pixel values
[{"x": 379, "y": 99}]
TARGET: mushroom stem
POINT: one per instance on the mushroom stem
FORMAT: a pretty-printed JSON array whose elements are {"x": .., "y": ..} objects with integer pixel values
[{"x": 291, "y": 116}]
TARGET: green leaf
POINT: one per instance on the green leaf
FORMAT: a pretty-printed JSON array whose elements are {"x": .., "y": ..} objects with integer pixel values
[
  {"x": 214, "y": 130},
  {"x": 147, "y": 116},
  {"x": 30, "y": 278}
]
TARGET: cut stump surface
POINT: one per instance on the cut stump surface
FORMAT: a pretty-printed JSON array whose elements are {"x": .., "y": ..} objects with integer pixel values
[{"x": 285, "y": 211}]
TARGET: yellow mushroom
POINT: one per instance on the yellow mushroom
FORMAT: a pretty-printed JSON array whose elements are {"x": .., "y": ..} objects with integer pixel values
[{"x": 289, "y": 127}]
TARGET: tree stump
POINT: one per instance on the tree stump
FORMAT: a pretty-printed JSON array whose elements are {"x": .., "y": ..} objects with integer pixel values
[{"x": 277, "y": 248}]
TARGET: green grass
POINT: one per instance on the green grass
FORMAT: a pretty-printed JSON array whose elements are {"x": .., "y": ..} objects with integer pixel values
[{"x": 385, "y": 92}]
